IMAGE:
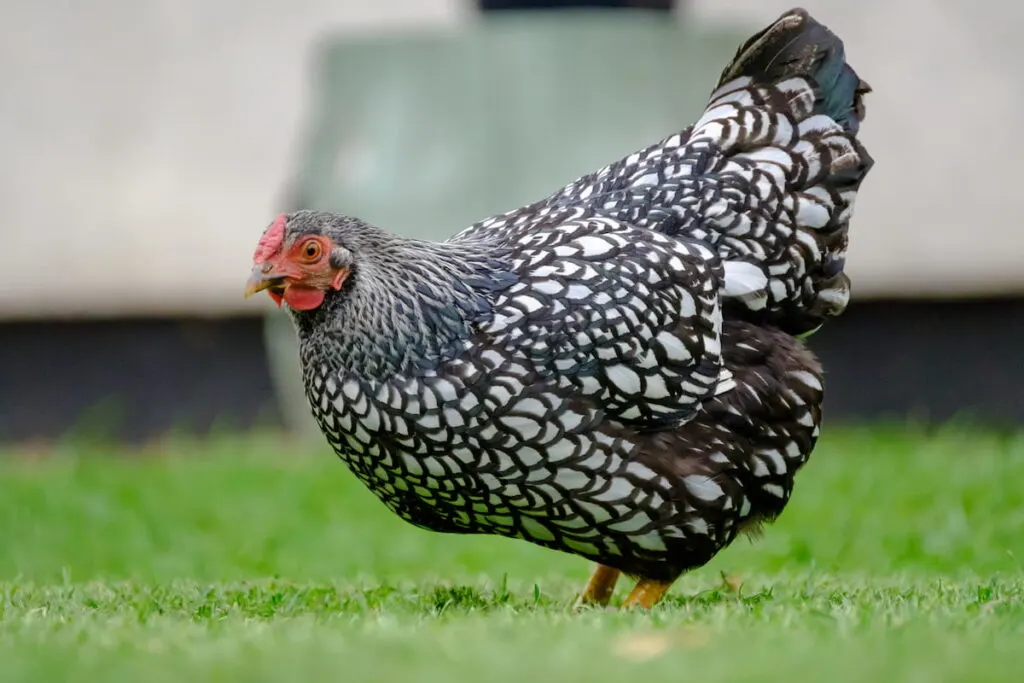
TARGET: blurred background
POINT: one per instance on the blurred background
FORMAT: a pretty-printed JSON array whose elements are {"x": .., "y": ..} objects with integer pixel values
[{"x": 148, "y": 143}]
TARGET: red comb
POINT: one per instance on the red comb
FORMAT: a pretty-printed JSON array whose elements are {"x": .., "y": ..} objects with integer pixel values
[{"x": 271, "y": 240}]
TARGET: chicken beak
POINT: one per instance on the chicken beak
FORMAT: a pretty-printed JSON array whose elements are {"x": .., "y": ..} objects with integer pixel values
[{"x": 262, "y": 277}]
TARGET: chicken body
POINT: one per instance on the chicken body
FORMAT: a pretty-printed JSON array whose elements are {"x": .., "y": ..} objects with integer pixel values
[{"x": 614, "y": 371}]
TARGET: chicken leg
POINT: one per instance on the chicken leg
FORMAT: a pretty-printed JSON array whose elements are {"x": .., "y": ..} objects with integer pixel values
[
  {"x": 647, "y": 593},
  {"x": 599, "y": 588}
]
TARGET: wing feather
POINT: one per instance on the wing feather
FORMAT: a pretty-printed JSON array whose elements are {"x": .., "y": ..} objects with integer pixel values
[{"x": 622, "y": 315}]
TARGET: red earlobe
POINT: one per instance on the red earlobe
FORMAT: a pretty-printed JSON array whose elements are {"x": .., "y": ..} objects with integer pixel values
[{"x": 339, "y": 278}]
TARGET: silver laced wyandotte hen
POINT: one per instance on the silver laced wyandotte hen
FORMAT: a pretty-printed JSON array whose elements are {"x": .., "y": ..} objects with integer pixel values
[{"x": 615, "y": 371}]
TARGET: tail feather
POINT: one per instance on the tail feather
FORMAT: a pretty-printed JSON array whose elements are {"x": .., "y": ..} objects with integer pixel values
[
  {"x": 797, "y": 45},
  {"x": 785, "y": 116},
  {"x": 768, "y": 176}
]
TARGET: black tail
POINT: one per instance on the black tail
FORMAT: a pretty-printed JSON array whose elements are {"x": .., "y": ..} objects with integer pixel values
[{"x": 798, "y": 45}]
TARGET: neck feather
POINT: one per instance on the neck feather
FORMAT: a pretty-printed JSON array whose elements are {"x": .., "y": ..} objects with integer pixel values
[{"x": 407, "y": 305}]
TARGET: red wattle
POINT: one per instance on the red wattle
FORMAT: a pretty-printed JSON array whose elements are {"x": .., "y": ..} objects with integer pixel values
[{"x": 303, "y": 298}]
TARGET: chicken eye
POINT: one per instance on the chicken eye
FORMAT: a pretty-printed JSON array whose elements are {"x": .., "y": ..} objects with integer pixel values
[{"x": 311, "y": 250}]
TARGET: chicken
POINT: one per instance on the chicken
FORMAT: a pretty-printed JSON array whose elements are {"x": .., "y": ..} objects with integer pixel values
[{"x": 616, "y": 371}]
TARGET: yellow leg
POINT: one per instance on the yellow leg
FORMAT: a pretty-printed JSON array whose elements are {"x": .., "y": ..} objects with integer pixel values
[
  {"x": 647, "y": 593},
  {"x": 599, "y": 588}
]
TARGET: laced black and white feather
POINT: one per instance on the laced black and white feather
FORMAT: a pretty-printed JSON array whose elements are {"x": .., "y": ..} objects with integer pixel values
[{"x": 612, "y": 371}]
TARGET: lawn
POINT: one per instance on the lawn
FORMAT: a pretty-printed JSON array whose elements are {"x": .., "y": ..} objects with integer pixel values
[{"x": 252, "y": 559}]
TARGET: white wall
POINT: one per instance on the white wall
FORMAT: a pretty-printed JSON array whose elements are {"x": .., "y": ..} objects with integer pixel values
[{"x": 146, "y": 142}]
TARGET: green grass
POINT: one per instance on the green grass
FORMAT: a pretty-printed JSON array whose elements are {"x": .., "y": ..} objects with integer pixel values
[{"x": 234, "y": 559}]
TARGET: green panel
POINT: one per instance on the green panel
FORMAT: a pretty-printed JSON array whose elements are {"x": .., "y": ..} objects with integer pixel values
[{"x": 426, "y": 133}]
